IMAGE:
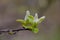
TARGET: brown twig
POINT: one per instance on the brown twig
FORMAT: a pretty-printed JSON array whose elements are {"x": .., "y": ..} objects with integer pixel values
[{"x": 16, "y": 30}]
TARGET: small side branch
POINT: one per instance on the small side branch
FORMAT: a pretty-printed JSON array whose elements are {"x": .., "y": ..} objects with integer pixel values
[{"x": 13, "y": 31}]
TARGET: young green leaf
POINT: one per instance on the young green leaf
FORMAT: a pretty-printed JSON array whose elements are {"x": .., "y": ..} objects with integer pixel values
[
  {"x": 28, "y": 27},
  {"x": 20, "y": 20},
  {"x": 41, "y": 19},
  {"x": 35, "y": 30}
]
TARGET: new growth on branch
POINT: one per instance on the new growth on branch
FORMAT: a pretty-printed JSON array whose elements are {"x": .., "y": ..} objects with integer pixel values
[{"x": 28, "y": 23}]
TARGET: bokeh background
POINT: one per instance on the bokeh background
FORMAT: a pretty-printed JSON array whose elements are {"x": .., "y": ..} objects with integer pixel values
[{"x": 49, "y": 29}]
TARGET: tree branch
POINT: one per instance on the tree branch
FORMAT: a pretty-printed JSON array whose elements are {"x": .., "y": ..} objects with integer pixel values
[{"x": 16, "y": 30}]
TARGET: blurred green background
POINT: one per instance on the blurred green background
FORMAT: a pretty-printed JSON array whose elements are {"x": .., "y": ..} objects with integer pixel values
[{"x": 10, "y": 10}]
